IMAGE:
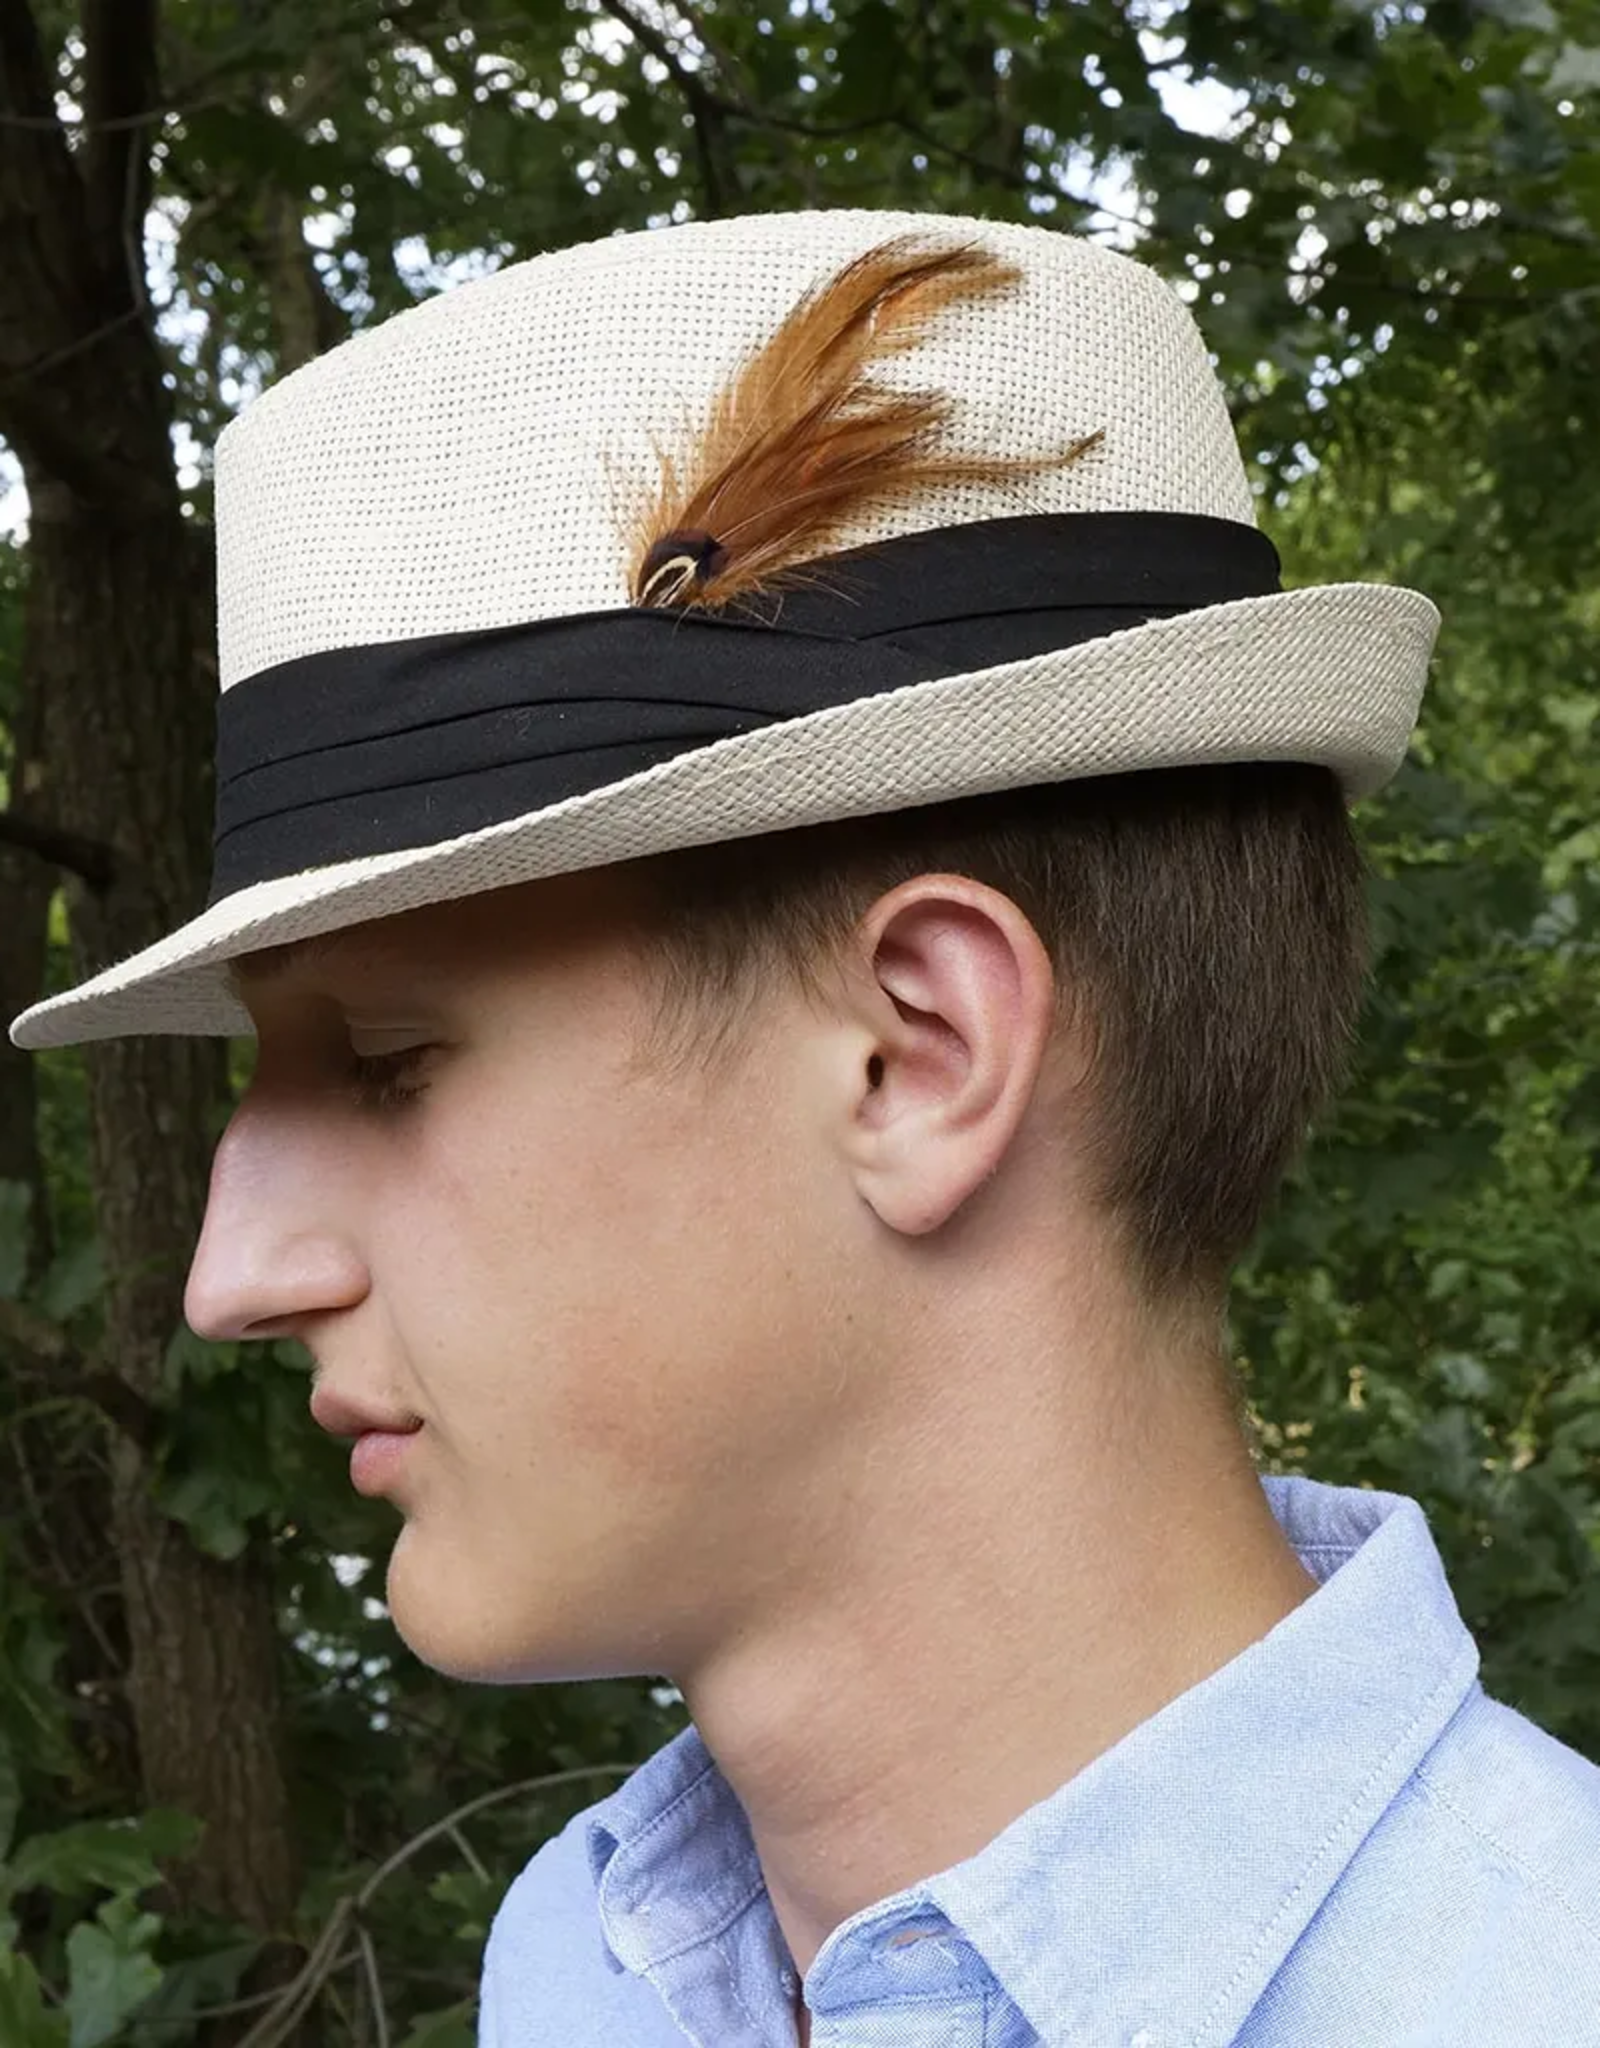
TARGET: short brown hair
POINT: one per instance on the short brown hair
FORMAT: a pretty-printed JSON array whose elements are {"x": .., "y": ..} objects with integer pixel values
[{"x": 1210, "y": 922}]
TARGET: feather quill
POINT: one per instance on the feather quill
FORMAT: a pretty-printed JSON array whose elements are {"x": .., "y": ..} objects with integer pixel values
[{"x": 802, "y": 440}]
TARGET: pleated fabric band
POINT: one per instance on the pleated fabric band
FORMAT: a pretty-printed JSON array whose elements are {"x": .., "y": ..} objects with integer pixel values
[{"x": 380, "y": 748}]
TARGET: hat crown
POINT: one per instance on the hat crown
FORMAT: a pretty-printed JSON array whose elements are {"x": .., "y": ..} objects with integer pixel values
[
  {"x": 458, "y": 468},
  {"x": 435, "y": 683}
]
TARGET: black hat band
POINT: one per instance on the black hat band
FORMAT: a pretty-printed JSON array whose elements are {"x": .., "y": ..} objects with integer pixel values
[{"x": 377, "y": 749}]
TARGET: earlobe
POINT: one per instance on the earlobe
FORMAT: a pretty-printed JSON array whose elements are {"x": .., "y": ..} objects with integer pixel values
[{"x": 963, "y": 1001}]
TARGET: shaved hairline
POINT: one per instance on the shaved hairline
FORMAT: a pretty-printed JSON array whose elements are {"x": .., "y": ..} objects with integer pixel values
[{"x": 271, "y": 963}]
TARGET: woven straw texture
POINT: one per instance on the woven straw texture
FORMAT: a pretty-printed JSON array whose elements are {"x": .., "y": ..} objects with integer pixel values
[
  {"x": 459, "y": 468},
  {"x": 453, "y": 469}
]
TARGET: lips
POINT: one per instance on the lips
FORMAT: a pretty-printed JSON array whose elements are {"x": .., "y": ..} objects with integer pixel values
[
  {"x": 341, "y": 1417},
  {"x": 382, "y": 1437}
]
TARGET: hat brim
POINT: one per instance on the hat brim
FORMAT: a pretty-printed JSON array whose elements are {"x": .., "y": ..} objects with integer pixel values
[{"x": 1332, "y": 674}]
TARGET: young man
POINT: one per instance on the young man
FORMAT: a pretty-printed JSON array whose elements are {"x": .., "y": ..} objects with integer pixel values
[{"x": 788, "y": 860}]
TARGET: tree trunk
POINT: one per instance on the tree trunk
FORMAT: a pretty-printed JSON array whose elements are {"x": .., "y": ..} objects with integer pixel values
[
  {"x": 27, "y": 883},
  {"x": 117, "y": 644},
  {"x": 129, "y": 728}
]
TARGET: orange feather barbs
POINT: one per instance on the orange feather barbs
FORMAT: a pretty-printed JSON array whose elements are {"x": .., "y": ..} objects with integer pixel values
[{"x": 802, "y": 440}]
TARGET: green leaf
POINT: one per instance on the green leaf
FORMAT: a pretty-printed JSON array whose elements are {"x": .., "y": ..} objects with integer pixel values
[
  {"x": 451, "y": 2027},
  {"x": 1576, "y": 69},
  {"x": 471, "y": 1901},
  {"x": 31, "y": 1701},
  {"x": 109, "y": 1855},
  {"x": 1448, "y": 1277},
  {"x": 871, "y": 64},
  {"x": 1450, "y": 1442},
  {"x": 10, "y": 1802},
  {"x": 16, "y": 1200},
  {"x": 72, "y": 1280},
  {"x": 1523, "y": 13},
  {"x": 1468, "y": 1378},
  {"x": 110, "y": 1970},
  {"x": 24, "y": 2021},
  {"x": 215, "y": 1507},
  {"x": 195, "y": 1360},
  {"x": 188, "y": 1984}
]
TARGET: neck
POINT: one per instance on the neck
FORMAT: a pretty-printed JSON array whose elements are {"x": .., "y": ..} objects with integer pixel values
[{"x": 1016, "y": 1587}]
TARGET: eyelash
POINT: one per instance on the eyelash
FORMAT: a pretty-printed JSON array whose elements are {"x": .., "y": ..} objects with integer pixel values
[{"x": 377, "y": 1079}]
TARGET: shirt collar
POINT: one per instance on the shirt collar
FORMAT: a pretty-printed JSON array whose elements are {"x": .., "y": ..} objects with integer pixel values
[{"x": 1203, "y": 1842}]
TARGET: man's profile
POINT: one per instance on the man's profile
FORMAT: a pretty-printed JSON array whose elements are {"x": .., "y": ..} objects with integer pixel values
[{"x": 789, "y": 862}]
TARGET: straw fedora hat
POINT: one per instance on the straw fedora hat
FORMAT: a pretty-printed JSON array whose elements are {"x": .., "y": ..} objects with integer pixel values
[{"x": 455, "y": 655}]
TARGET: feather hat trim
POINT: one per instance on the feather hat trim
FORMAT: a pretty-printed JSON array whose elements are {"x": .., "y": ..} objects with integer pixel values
[{"x": 917, "y": 507}]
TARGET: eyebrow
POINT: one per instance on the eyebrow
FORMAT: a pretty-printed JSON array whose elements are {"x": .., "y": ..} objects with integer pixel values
[{"x": 271, "y": 963}]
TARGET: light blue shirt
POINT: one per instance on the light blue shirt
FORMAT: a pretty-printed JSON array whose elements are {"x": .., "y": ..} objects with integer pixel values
[{"x": 1338, "y": 1840}]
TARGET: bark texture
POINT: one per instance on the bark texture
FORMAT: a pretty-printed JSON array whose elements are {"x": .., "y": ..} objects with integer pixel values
[
  {"x": 117, "y": 647},
  {"x": 27, "y": 883}
]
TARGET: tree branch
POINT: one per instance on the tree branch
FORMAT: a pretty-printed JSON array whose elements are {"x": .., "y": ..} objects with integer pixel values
[
  {"x": 93, "y": 863},
  {"x": 120, "y": 78},
  {"x": 712, "y": 111},
  {"x": 66, "y": 1582},
  {"x": 59, "y": 300},
  {"x": 328, "y": 1952},
  {"x": 369, "y": 1959},
  {"x": 24, "y": 75},
  {"x": 44, "y": 1354},
  {"x": 991, "y": 173},
  {"x": 707, "y": 110},
  {"x": 143, "y": 117},
  {"x": 41, "y": 206}
]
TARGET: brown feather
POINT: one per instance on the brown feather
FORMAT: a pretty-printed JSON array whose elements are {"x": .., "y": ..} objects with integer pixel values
[{"x": 802, "y": 441}]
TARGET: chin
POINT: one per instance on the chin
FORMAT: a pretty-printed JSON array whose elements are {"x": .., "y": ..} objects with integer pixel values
[
  {"x": 466, "y": 1638},
  {"x": 440, "y": 1623}
]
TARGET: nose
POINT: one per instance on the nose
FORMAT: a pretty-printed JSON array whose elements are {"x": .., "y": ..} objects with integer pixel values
[{"x": 276, "y": 1245}]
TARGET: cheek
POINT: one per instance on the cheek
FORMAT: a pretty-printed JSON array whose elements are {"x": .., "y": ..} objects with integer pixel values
[
  {"x": 614, "y": 1302},
  {"x": 567, "y": 1280},
  {"x": 653, "y": 1354}
]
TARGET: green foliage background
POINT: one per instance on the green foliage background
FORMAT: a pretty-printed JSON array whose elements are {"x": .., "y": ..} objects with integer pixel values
[{"x": 1393, "y": 245}]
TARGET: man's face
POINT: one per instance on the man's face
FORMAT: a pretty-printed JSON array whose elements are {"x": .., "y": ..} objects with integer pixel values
[{"x": 609, "y": 1297}]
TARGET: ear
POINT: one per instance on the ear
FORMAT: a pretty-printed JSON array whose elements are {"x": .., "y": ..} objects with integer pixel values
[{"x": 959, "y": 997}]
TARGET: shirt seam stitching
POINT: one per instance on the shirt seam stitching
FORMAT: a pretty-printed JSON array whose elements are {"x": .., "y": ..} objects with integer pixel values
[
  {"x": 963, "y": 1996},
  {"x": 1430, "y": 1788},
  {"x": 657, "y": 1821},
  {"x": 948, "y": 1994},
  {"x": 1332, "y": 1834},
  {"x": 733, "y": 1979},
  {"x": 710, "y": 1934}
]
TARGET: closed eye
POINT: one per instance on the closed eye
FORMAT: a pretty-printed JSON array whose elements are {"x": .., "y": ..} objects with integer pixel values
[{"x": 387, "y": 1080}]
